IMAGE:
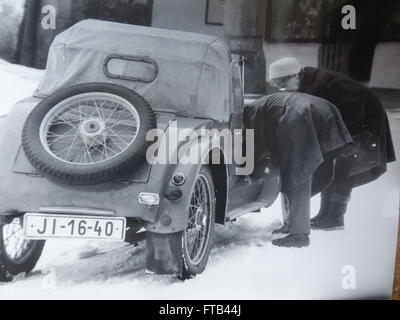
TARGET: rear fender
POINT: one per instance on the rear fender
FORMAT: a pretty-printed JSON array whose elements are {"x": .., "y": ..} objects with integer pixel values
[{"x": 173, "y": 214}]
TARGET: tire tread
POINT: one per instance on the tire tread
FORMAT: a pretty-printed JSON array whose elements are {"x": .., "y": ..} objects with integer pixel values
[{"x": 69, "y": 176}]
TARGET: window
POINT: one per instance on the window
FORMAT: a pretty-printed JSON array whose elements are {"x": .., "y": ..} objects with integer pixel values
[
  {"x": 392, "y": 28},
  {"x": 215, "y": 12},
  {"x": 295, "y": 21},
  {"x": 126, "y": 11},
  {"x": 130, "y": 68}
]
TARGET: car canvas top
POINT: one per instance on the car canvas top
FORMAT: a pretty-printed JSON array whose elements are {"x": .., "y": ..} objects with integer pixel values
[{"x": 185, "y": 73}]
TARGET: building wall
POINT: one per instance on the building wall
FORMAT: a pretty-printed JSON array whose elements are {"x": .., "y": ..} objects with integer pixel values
[
  {"x": 65, "y": 10},
  {"x": 190, "y": 15},
  {"x": 386, "y": 66},
  {"x": 185, "y": 15}
]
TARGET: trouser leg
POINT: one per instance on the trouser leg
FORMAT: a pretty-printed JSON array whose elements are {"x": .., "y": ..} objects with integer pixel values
[
  {"x": 285, "y": 216},
  {"x": 324, "y": 207},
  {"x": 338, "y": 188},
  {"x": 296, "y": 210},
  {"x": 339, "y": 197},
  {"x": 299, "y": 210},
  {"x": 285, "y": 208}
]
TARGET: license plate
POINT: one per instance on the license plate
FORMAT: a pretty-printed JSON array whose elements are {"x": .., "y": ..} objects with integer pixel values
[{"x": 43, "y": 226}]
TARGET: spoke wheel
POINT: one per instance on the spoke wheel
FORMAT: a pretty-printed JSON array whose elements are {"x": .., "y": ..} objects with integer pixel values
[
  {"x": 15, "y": 246},
  {"x": 88, "y": 134},
  {"x": 197, "y": 233},
  {"x": 17, "y": 255},
  {"x": 198, "y": 236},
  {"x": 89, "y": 128}
]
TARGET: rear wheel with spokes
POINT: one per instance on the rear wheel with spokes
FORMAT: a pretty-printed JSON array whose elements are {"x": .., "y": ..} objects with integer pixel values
[{"x": 17, "y": 255}]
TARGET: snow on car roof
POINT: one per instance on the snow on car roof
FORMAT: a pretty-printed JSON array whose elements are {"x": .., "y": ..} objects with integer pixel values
[{"x": 182, "y": 72}]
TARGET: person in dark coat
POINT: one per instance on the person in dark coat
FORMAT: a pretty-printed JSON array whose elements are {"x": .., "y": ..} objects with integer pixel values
[
  {"x": 367, "y": 122},
  {"x": 300, "y": 131}
]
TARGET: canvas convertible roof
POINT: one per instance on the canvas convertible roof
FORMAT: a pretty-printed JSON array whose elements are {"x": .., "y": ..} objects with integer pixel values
[{"x": 187, "y": 73}]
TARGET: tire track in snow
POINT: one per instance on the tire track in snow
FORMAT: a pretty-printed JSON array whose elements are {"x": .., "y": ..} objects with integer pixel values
[{"x": 129, "y": 261}]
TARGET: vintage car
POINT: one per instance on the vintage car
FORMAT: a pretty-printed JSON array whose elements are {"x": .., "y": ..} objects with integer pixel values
[{"x": 74, "y": 157}]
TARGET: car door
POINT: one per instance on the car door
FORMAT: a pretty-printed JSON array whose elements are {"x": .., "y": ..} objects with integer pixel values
[{"x": 236, "y": 119}]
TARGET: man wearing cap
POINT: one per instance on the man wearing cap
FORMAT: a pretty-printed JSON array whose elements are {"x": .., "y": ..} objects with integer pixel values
[
  {"x": 367, "y": 122},
  {"x": 300, "y": 131}
]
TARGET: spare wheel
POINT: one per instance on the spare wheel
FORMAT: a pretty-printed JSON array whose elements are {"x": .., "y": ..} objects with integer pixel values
[{"x": 88, "y": 134}]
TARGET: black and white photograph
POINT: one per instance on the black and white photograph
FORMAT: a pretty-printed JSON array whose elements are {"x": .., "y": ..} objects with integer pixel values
[{"x": 199, "y": 150}]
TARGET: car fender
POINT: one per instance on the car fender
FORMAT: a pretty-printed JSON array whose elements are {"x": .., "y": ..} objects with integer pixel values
[{"x": 173, "y": 214}]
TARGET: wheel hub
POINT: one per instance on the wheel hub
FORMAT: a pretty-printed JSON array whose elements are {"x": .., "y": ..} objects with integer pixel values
[
  {"x": 201, "y": 219},
  {"x": 92, "y": 132}
]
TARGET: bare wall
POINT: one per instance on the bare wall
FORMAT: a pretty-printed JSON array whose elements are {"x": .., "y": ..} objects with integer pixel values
[{"x": 386, "y": 66}]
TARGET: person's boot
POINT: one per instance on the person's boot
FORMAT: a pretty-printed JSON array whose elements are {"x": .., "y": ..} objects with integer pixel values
[
  {"x": 324, "y": 208},
  {"x": 334, "y": 220},
  {"x": 284, "y": 229},
  {"x": 293, "y": 241}
]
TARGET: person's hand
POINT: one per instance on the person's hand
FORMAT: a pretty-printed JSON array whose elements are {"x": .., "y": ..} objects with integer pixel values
[{"x": 350, "y": 151}]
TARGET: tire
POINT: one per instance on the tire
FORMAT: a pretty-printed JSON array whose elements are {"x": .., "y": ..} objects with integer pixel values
[
  {"x": 88, "y": 134},
  {"x": 171, "y": 253},
  {"x": 191, "y": 268},
  {"x": 11, "y": 266}
]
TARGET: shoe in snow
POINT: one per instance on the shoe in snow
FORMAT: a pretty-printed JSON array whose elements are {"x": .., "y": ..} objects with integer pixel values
[
  {"x": 284, "y": 229},
  {"x": 329, "y": 223},
  {"x": 293, "y": 241}
]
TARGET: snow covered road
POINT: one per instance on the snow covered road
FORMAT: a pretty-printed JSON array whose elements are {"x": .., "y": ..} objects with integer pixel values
[{"x": 243, "y": 263}]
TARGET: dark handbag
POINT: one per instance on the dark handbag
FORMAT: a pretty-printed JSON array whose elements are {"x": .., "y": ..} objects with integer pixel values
[{"x": 368, "y": 154}]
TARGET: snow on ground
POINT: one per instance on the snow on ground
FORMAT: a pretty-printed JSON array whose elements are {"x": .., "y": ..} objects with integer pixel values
[
  {"x": 17, "y": 4},
  {"x": 16, "y": 83},
  {"x": 243, "y": 263}
]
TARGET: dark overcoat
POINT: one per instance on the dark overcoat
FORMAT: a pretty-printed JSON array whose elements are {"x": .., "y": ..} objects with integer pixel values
[
  {"x": 300, "y": 130},
  {"x": 361, "y": 111}
]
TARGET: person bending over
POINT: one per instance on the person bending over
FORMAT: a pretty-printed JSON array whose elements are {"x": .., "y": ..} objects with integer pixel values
[
  {"x": 301, "y": 132},
  {"x": 367, "y": 122}
]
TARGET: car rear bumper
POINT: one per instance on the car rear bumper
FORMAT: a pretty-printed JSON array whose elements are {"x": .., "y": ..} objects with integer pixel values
[{"x": 39, "y": 195}]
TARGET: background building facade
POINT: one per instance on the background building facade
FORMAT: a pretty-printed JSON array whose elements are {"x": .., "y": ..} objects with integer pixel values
[{"x": 308, "y": 29}]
